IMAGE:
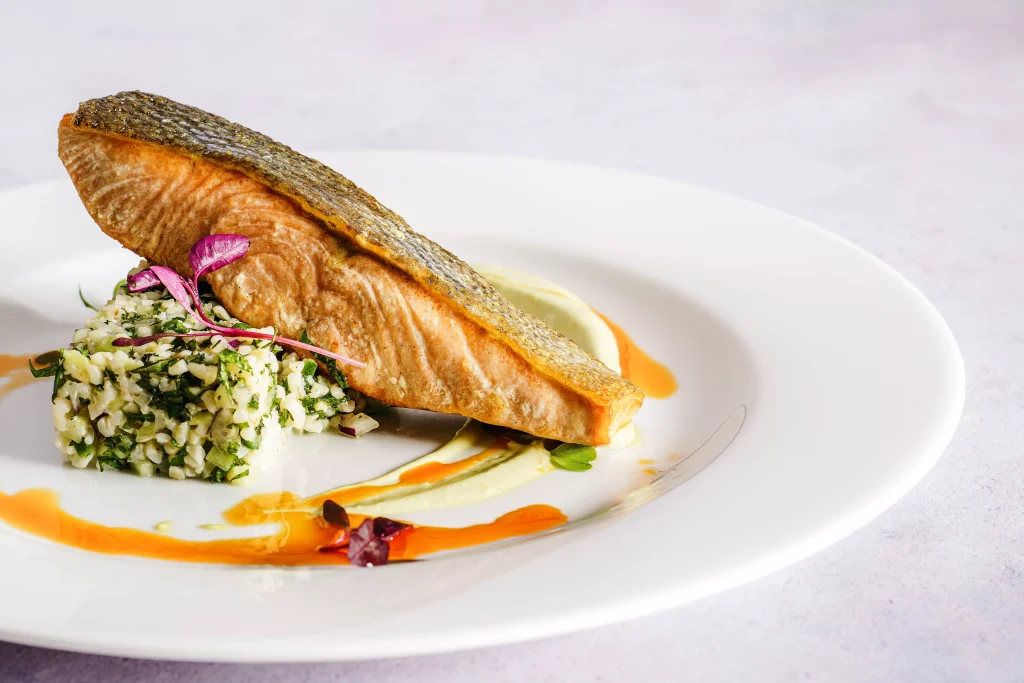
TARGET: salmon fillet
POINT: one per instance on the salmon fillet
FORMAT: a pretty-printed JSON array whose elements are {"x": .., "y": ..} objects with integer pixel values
[{"x": 327, "y": 258}]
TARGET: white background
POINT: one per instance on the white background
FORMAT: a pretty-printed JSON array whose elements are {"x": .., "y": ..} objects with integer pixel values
[{"x": 898, "y": 124}]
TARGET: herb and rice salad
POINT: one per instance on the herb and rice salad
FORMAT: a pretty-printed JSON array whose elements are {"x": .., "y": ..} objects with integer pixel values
[{"x": 162, "y": 380}]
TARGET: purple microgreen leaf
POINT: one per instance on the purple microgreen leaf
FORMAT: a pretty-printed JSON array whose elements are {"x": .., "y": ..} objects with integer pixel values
[
  {"x": 365, "y": 548},
  {"x": 142, "y": 280},
  {"x": 207, "y": 255},
  {"x": 213, "y": 252},
  {"x": 177, "y": 286},
  {"x": 335, "y": 515},
  {"x": 185, "y": 294},
  {"x": 386, "y": 529},
  {"x": 284, "y": 341}
]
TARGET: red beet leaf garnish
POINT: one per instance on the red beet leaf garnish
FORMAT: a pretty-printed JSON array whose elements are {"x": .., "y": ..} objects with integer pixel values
[
  {"x": 178, "y": 287},
  {"x": 335, "y": 515},
  {"x": 213, "y": 252},
  {"x": 365, "y": 548},
  {"x": 207, "y": 255},
  {"x": 142, "y": 280},
  {"x": 386, "y": 529},
  {"x": 369, "y": 544}
]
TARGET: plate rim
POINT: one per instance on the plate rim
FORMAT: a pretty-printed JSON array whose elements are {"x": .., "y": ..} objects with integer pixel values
[{"x": 609, "y": 611}]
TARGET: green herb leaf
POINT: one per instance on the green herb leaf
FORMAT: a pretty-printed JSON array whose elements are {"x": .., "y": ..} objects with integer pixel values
[
  {"x": 573, "y": 457},
  {"x": 45, "y": 371},
  {"x": 230, "y": 357},
  {"x": 254, "y": 402},
  {"x": 330, "y": 363},
  {"x": 83, "y": 449},
  {"x": 121, "y": 443},
  {"x": 225, "y": 378},
  {"x": 112, "y": 461},
  {"x": 159, "y": 366},
  {"x": 118, "y": 286},
  {"x": 58, "y": 378},
  {"x": 308, "y": 367},
  {"x": 331, "y": 401},
  {"x": 174, "y": 325},
  {"x": 255, "y": 444},
  {"x": 137, "y": 419},
  {"x": 82, "y": 297}
]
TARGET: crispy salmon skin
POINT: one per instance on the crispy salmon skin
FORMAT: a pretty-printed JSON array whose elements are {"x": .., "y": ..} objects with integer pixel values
[{"x": 326, "y": 257}]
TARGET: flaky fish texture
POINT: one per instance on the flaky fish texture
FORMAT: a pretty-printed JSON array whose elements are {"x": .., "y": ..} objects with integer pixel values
[{"x": 327, "y": 258}]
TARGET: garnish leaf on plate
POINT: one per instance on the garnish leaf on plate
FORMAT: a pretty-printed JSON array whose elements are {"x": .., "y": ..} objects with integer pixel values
[
  {"x": 213, "y": 252},
  {"x": 574, "y": 457},
  {"x": 84, "y": 301},
  {"x": 365, "y": 548},
  {"x": 209, "y": 254},
  {"x": 335, "y": 515},
  {"x": 143, "y": 280},
  {"x": 42, "y": 370},
  {"x": 387, "y": 529},
  {"x": 368, "y": 545}
]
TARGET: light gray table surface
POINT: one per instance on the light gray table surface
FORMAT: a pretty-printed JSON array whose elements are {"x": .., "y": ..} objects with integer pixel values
[{"x": 898, "y": 124}]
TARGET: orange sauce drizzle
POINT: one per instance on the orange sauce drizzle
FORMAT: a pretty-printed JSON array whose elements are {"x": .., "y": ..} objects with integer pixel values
[
  {"x": 15, "y": 373},
  {"x": 301, "y": 533},
  {"x": 653, "y": 378},
  {"x": 301, "y": 530}
]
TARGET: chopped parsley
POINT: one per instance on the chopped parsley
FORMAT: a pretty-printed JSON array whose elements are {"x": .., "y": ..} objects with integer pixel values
[
  {"x": 159, "y": 366},
  {"x": 111, "y": 462},
  {"x": 230, "y": 357},
  {"x": 136, "y": 419},
  {"x": 329, "y": 363},
  {"x": 174, "y": 325},
  {"x": 255, "y": 444}
]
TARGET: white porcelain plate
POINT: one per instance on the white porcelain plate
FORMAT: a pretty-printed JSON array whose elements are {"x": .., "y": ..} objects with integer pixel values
[{"x": 825, "y": 384}]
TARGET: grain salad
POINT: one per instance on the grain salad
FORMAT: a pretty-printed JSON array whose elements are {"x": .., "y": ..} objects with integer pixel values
[{"x": 200, "y": 407}]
